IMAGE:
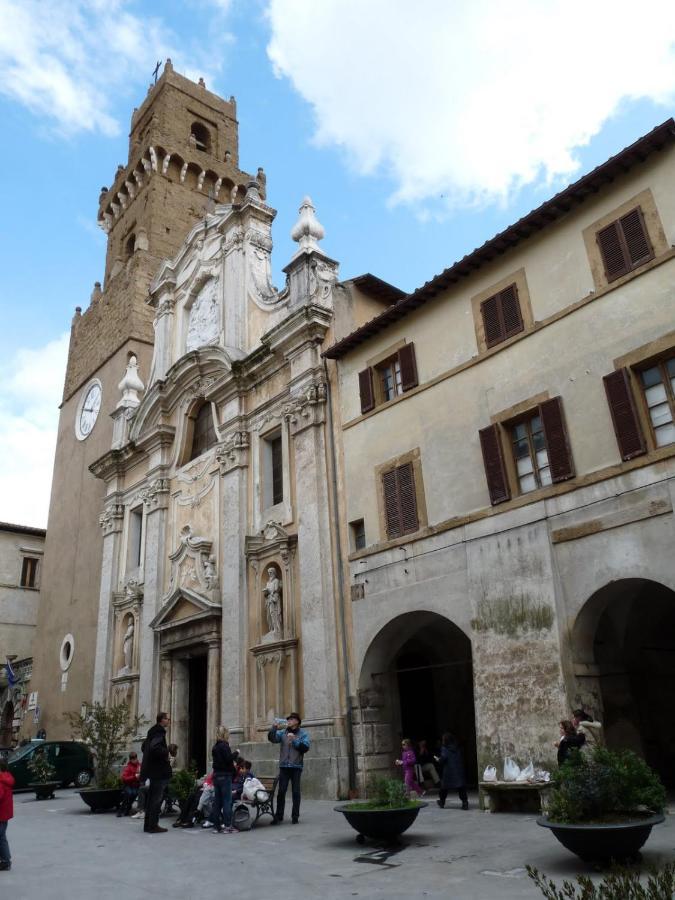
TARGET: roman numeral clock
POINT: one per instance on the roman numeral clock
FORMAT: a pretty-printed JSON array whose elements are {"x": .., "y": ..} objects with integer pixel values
[{"x": 88, "y": 410}]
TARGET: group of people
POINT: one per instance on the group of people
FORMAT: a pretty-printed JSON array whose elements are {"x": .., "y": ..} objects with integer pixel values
[
  {"x": 582, "y": 732},
  {"x": 229, "y": 780},
  {"x": 445, "y": 768}
]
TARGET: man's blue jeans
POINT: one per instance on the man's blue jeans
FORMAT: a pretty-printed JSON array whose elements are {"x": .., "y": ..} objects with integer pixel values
[
  {"x": 222, "y": 790},
  {"x": 4, "y": 846},
  {"x": 286, "y": 775}
]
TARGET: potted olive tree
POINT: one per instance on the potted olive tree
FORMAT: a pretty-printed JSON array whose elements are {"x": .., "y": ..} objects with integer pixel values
[
  {"x": 604, "y": 805},
  {"x": 386, "y": 813},
  {"x": 43, "y": 773},
  {"x": 106, "y": 730}
]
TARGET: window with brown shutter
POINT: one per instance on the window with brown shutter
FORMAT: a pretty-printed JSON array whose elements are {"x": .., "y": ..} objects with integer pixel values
[
  {"x": 624, "y": 244},
  {"x": 493, "y": 458},
  {"x": 627, "y": 428},
  {"x": 392, "y": 376},
  {"x": 541, "y": 448},
  {"x": 400, "y": 501},
  {"x": 501, "y": 315}
]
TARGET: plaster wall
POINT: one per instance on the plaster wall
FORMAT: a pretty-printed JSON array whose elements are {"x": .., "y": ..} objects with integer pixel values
[{"x": 18, "y": 605}]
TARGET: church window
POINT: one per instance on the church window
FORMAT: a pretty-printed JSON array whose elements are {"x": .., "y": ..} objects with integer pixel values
[
  {"x": 29, "y": 572},
  {"x": 204, "y": 433},
  {"x": 201, "y": 135},
  {"x": 273, "y": 470},
  {"x": 135, "y": 552}
]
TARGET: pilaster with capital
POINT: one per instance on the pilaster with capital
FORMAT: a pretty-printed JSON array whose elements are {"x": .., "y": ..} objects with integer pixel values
[
  {"x": 155, "y": 499},
  {"x": 163, "y": 325},
  {"x": 111, "y": 521},
  {"x": 212, "y": 689}
]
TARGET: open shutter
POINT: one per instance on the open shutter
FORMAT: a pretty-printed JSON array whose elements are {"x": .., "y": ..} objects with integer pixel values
[
  {"x": 407, "y": 498},
  {"x": 406, "y": 359},
  {"x": 366, "y": 390},
  {"x": 511, "y": 316},
  {"x": 557, "y": 441},
  {"x": 611, "y": 249},
  {"x": 492, "y": 325},
  {"x": 495, "y": 472},
  {"x": 391, "y": 506},
  {"x": 635, "y": 238},
  {"x": 629, "y": 435}
]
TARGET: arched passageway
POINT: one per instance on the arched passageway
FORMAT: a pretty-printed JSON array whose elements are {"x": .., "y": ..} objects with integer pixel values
[
  {"x": 626, "y": 635},
  {"x": 416, "y": 682}
]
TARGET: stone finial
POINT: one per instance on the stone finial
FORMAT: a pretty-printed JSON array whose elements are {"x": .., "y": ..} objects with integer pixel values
[
  {"x": 96, "y": 293},
  {"x": 168, "y": 65},
  {"x": 130, "y": 385},
  {"x": 202, "y": 83},
  {"x": 307, "y": 230},
  {"x": 253, "y": 190}
]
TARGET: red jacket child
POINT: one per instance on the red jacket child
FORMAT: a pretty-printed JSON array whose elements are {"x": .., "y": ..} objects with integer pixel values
[
  {"x": 6, "y": 796},
  {"x": 131, "y": 773}
]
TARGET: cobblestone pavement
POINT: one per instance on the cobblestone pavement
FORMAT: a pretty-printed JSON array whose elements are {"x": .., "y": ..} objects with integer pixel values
[{"x": 63, "y": 852}]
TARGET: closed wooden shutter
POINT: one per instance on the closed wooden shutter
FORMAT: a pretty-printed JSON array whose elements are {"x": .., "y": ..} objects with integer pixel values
[
  {"x": 611, "y": 249},
  {"x": 400, "y": 501},
  {"x": 557, "y": 442},
  {"x": 366, "y": 390},
  {"x": 513, "y": 321},
  {"x": 624, "y": 244},
  {"x": 635, "y": 236},
  {"x": 408, "y": 364},
  {"x": 493, "y": 459},
  {"x": 501, "y": 316},
  {"x": 627, "y": 428}
]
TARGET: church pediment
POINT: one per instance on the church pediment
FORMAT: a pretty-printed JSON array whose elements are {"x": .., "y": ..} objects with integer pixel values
[{"x": 181, "y": 606}]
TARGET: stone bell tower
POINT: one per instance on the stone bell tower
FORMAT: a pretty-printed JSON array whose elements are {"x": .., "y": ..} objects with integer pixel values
[{"x": 183, "y": 159}]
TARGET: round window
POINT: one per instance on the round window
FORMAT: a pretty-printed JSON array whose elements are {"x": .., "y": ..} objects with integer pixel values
[{"x": 67, "y": 651}]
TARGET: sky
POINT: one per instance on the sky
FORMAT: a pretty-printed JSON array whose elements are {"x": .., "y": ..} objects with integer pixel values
[{"x": 419, "y": 130}]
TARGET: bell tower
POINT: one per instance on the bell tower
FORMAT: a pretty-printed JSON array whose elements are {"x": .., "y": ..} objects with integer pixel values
[{"x": 183, "y": 159}]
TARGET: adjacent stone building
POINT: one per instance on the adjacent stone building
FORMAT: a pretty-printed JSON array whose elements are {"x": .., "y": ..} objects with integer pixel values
[
  {"x": 21, "y": 551},
  {"x": 509, "y": 450}
]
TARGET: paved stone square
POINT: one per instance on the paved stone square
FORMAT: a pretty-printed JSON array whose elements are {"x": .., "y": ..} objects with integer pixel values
[{"x": 60, "y": 851}]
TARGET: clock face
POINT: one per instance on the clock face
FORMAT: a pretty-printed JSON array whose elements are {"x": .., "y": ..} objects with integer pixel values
[{"x": 89, "y": 410}]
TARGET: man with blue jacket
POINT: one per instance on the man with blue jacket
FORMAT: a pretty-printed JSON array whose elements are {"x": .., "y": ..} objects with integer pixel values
[{"x": 294, "y": 742}]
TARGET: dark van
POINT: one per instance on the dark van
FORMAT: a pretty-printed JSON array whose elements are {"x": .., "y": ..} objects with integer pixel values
[{"x": 73, "y": 762}]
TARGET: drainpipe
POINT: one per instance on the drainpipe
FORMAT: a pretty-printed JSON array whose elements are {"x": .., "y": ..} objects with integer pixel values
[{"x": 341, "y": 584}]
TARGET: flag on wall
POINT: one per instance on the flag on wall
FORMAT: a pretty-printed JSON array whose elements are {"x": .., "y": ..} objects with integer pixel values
[{"x": 11, "y": 676}]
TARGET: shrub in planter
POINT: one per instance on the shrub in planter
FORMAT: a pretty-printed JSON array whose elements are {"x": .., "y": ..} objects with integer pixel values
[
  {"x": 107, "y": 731},
  {"x": 40, "y": 769},
  {"x": 619, "y": 883},
  {"x": 603, "y": 806},
  {"x": 386, "y": 812},
  {"x": 606, "y": 787},
  {"x": 181, "y": 784}
]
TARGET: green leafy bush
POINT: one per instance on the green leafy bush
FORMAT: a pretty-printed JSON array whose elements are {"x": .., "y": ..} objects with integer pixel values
[
  {"x": 607, "y": 786},
  {"x": 385, "y": 793},
  {"x": 182, "y": 782},
  {"x": 619, "y": 884},
  {"x": 40, "y": 768},
  {"x": 107, "y": 731}
]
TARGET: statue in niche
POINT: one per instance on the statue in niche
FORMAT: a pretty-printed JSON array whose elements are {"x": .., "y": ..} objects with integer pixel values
[
  {"x": 128, "y": 647},
  {"x": 272, "y": 594},
  {"x": 203, "y": 322}
]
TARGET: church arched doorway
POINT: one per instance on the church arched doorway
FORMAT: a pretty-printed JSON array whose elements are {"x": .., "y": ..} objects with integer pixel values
[
  {"x": 416, "y": 682},
  {"x": 625, "y": 636},
  {"x": 6, "y": 725}
]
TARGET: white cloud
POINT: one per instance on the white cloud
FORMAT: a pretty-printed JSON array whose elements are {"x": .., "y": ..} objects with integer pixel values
[
  {"x": 66, "y": 60},
  {"x": 32, "y": 385},
  {"x": 470, "y": 100}
]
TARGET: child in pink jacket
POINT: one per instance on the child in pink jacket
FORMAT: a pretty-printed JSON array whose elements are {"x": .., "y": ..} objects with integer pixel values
[{"x": 407, "y": 762}]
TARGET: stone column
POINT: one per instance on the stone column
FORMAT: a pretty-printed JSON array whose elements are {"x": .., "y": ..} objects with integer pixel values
[
  {"x": 317, "y": 604},
  {"x": 213, "y": 691},
  {"x": 155, "y": 501},
  {"x": 232, "y": 456},
  {"x": 166, "y": 683},
  {"x": 111, "y": 522}
]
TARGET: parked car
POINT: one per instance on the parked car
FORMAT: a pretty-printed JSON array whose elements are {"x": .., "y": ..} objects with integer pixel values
[{"x": 72, "y": 760}]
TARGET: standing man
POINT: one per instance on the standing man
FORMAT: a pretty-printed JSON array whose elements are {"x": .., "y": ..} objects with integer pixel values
[
  {"x": 294, "y": 744},
  {"x": 157, "y": 768}
]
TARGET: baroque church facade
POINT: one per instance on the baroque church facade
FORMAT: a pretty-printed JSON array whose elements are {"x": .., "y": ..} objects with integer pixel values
[{"x": 211, "y": 588}]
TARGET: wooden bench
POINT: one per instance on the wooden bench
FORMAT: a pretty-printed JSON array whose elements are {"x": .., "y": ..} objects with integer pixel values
[
  {"x": 513, "y": 796},
  {"x": 264, "y": 806}
]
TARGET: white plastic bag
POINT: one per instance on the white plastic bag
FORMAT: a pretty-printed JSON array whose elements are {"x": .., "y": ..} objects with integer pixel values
[
  {"x": 526, "y": 774},
  {"x": 490, "y": 773},
  {"x": 254, "y": 789},
  {"x": 511, "y": 769}
]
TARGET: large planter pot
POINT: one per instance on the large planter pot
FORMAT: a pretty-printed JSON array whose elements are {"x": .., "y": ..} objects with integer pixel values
[
  {"x": 385, "y": 824},
  {"x": 101, "y": 799},
  {"x": 601, "y": 843},
  {"x": 44, "y": 790}
]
